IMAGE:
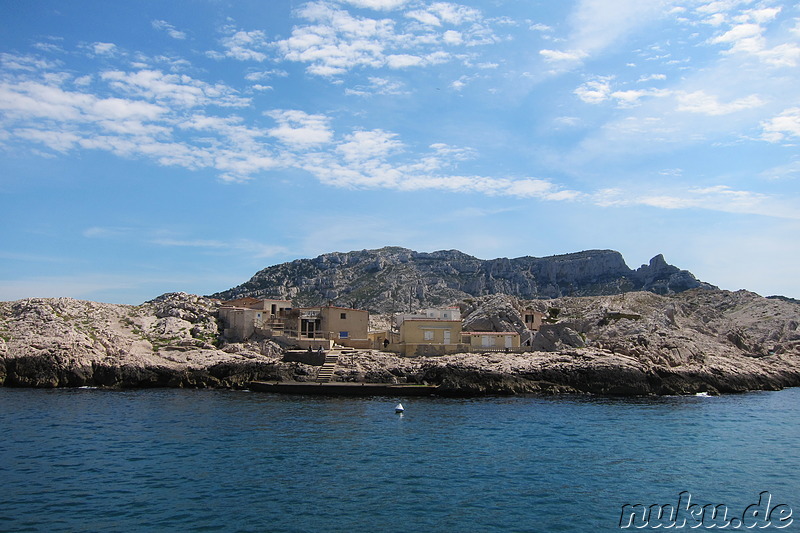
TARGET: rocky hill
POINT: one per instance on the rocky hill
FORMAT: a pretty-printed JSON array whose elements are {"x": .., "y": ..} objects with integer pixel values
[
  {"x": 394, "y": 279},
  {"x": 638, "y": 343},
  {"x": 172, "y": 341}
]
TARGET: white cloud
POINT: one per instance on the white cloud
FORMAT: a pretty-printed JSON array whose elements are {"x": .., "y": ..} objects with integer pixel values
[
  {"x": 652, "y": 77},
  {"x": 453, "y": 37},
  {"x": 27, "y": 100},
  {"x": 424, "y": 17},
  {"x": 262, "y": 75},
  {"x": 378, "y": 85},
  {"x": 26, "y": 62},
  {"x": 598, "y": 24},
  {"x": 631, "y": 97},
  {"x": 746, "y": 35},
  {"x": 789, "y": 171},
  {"x": 403, "y": 61},
  {"x": 459, "y": 84},
  {"x": 60, "y": 141},
  {"x": 251, "y": 248},
  {"x": 300, "y": 129},
  {"x": 715, "y": 198},
  {"x": 707, "y": 104},
  {"x": 384, "y": 5},
  {"x": 595, "y": 91},
  {"x": 104, "y": 49},
  {"x": 246, "y": 45},
  {"x": 439, "y": 13},
  {"x": 175, "y": 89},
  {"x": 454, "y": 14},
  {"x": 563, "y": 56},
  {"x": 363, "y": 145},
  {"x": 335, "y": 41},
  {"x": 782, "y": 127},
  {"x": 165, "y": 26},
  {"x": 567, "y": 121},
  {"x": 105, "y": 232},
  {"x": 544, "y": 28}
]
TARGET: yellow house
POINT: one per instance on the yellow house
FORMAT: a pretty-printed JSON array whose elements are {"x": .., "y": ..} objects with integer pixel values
[
  {"x": 423, "y": 336},
  {"x": 533, "y": 319},
  {"x": 491, "y": 340},
  {"x": 246, "y": 317},
  {"x": 347, "y": 326},
  {"x": 341, "y": 325}
]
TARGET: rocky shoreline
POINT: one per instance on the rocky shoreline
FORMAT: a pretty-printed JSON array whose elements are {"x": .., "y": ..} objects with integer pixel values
[{"x": 632, "y": 344}]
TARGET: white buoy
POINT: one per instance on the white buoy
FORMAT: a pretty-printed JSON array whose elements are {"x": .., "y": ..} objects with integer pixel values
[{"x": 399, "y": 408}]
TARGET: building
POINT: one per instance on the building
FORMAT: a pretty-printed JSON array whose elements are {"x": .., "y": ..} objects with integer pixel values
[
  {"x": 533, "y": 319},
  {"x": 443, "y": 313},
  {"x": 491, "y": 340},
  {"x": 323, "y": 326},
  {"x": 244, "y": 317},
  {"x": 435, "y": 331},
  {"x": 426, "y": 336}
]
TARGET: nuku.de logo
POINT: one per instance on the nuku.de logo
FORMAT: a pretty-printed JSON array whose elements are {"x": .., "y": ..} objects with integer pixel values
[{"x": 692, "y": 515}]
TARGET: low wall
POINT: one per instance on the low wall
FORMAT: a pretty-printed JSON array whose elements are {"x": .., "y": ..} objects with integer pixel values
[
  {"x": 426, "y": 350},
  {"x": 304, "y": 356},
  {"x": 363, "y": 344}
]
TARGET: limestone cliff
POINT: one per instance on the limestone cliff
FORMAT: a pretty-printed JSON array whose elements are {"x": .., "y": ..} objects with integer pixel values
[
  {"x": 170, "y": 341},
  {"x": 396, "y": 279},
  {"x": 629, "y": 344}
]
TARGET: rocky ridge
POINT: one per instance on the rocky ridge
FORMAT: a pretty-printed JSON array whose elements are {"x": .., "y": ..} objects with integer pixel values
[
  {"x": 629, "y": 344},
  {"x": 393, "y": 279},
  {"x": 170, "y": 341}
]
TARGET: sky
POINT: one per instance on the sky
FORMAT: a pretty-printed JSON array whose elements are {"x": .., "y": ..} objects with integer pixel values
[{"x": 150, "y": 147}]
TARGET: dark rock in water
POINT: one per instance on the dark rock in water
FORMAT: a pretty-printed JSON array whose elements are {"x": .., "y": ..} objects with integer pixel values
[{"x": 396, "y": 279}]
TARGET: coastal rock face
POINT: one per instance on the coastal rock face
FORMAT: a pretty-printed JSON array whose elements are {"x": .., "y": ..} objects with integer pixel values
[
  {"x": 170, "y": 341},
  {"x": 636, "y": 343},
  {"x": 632, "y": 344},
  {"x": 397, "y": 279}
]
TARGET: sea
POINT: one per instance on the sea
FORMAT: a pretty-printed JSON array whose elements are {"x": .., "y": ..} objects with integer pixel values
[{"x": 84, "y": 460}]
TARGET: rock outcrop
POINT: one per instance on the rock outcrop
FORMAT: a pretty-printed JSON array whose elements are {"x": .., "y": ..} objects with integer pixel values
[
  {"x": 171, "y": 341},
  {"x": 629, "y": 344},
  {"x": 396, "y": 279}
]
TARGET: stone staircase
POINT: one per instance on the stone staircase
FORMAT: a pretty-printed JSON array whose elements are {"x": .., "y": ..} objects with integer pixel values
[{"x": 326, "y": 370}]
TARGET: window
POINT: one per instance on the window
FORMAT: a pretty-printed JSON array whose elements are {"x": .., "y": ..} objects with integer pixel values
[
  {"x": 344, "y": 334},
  {"x": 343, "y": 316},
  {"x": 428, "y": 335}
]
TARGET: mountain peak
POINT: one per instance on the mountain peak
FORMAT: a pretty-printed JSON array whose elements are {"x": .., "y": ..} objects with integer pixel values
[{"x": 393, "y": 278}]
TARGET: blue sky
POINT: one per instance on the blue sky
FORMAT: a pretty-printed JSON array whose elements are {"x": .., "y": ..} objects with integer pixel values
[{"x": 154, "y": 146}]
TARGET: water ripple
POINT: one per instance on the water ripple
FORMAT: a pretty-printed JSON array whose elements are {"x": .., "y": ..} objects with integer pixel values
[{"x": 166, "y": 460}]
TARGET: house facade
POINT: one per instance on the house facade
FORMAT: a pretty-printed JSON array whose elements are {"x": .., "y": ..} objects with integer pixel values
[
  {"x": 435, "y": 331},
  {"x": 327, "y": 325},
  {"x": 491, "y": 340},
  {"x": 533, "y": 319},
  {"x": 245, "y": 317}
]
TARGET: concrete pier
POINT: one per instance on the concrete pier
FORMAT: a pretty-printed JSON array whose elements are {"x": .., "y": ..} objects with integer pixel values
[{"x": 343, "y": 389}]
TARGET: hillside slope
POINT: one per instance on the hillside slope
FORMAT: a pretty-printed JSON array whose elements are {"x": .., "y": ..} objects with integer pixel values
[
  {"x": 629, "y": 344},
  {"x": 395, "y": 279}
]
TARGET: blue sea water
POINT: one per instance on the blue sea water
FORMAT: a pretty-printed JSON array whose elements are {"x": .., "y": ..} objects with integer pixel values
[{"x": 182, "y": 460}]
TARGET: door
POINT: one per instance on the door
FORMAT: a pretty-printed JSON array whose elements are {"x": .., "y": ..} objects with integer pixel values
[{"x": 447, "y": 336}]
